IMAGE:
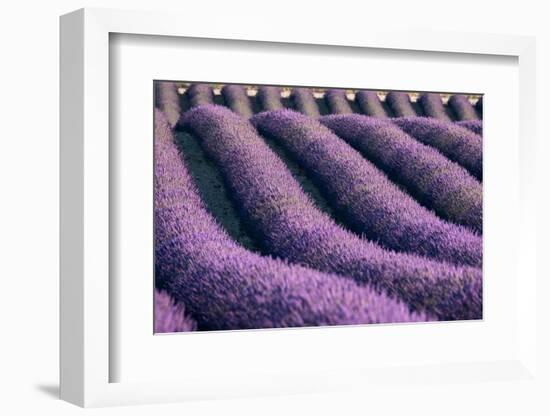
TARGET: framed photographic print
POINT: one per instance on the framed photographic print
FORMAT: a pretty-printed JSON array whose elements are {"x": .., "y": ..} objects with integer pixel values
[
  {"x": 289, "y": 213},
  {"x": 262, "y": 205}
]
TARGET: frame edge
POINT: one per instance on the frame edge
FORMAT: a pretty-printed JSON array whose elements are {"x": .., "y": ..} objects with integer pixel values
[{"x": 71, "y": 202}]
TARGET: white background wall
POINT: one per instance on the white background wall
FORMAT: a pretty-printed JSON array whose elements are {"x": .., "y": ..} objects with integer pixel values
[{"x": 29, "y": 184}]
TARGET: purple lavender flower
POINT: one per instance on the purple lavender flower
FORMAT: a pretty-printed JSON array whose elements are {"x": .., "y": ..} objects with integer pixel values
[
  {"x": 287, "y": 224},
  {"x": 433, "y": 106},
  {"x": 370, "y": 203},
  {"x": 200, "y": 94},
  {"x": 170, "y": 316},
  {"x": 370, "y": 104},
  {"x": 473, "y": 125},
  {"x": 305, "y": 102},
  {"x": 167, "y": 100},
  {"x": 434, "y": 180},
  {"x": 269, "y": 98},
  {"x": 337, "y": 102},
  {"x": 225, "y": 286},
  {"x": 457, "y": 143},
  {"x": 237, "y": 100},
  {"x": 400, "y": 104},
  {"x": 462, "y": 107}
]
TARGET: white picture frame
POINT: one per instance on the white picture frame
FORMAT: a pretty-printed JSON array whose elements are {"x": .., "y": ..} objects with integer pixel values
[{"x": 86, "y": 305}]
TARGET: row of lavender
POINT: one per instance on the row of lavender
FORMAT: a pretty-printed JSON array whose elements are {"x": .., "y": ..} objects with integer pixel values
[
  {"x": 396, "y": 104},
  {"x": 424, "y": 265},
  {"x": 335, "y": 101}
]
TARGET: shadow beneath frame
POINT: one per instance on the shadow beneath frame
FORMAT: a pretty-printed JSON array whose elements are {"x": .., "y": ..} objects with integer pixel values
[{"x": 51, "y": 390}]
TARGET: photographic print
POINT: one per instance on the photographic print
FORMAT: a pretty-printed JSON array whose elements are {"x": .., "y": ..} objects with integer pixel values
[{"x": 287, "y": 206}]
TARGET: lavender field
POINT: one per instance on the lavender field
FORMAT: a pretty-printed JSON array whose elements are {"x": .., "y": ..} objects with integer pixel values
[{"x": 284, "y": 207}]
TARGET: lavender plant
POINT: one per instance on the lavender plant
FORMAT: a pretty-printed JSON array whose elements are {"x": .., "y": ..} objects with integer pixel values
[
  {"x": 200, "y": 94},
  {"x": 473, "y": 125},
  {"x": 337, "y": 101},
  {"x": 305, "y": 102},
  {"x": 269, "y": 98},
  {"x": 223, "y": 285},
  {"x": 237, "y": 100},
  {"x": 287, "y": 224},
  {"x": 433, "y": 106},
  {"x": 462, "y": 107},
  {"x": 400, "y": 104},
  {"x": 457, "y": 143},
  {"x": 370, "y": 203},
  {"x": 370, "y": 104},
  {"x": 167, "y": 100},
  {"x": 435, "y": 181},
  {"x": 170, "y": 316}
]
